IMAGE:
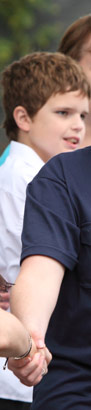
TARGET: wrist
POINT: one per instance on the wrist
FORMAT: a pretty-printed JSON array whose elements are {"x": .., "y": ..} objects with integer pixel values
[
  {"x": 23, "y": 355},
  {"x": 27, "y": 352}
]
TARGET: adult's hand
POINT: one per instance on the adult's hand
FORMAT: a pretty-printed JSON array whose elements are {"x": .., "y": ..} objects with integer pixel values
[{"x": 31, "y": 370}]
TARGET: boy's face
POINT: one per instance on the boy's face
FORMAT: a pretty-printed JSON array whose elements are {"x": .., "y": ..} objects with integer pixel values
[{"x": 59, "y": 125}]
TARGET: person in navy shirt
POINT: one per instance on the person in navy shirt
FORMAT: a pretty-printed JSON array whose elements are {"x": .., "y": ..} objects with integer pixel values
[{"x": 57, "y": 229}]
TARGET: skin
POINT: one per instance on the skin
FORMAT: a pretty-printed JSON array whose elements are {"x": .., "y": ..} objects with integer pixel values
[
  {"x": 39, "y": 277},
  {"x": 14, "y": 339},
  {"x": 4, "y": 300}
]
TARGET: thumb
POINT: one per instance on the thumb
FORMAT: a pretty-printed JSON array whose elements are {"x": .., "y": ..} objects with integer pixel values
[{"x": 40, "y": 344}]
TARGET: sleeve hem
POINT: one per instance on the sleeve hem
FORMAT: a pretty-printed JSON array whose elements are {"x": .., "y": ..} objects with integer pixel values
[{"x": 67, "y": 260}]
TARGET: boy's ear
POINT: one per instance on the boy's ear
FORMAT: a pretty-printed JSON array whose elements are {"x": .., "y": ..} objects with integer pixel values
[{"x": 22, "y": 118}]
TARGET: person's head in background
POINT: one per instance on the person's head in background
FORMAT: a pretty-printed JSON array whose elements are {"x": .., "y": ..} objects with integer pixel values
[
  {"x": 76, "y": 43},
  {"x": 45, "y": 98}
]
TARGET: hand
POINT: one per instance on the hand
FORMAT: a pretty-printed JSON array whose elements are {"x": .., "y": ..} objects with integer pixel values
[
  {"x": 39, "y": 345},
  {"x": 31, "y": 370},
  {"x": 28, "y": 370},
  {"x": 4, "y": 300}
]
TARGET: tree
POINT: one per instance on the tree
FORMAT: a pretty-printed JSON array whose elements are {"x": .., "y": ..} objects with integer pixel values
[{"x": 26, "y": 26}]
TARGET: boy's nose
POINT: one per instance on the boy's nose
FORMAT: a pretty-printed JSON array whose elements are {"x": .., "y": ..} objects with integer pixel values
[{"x": 78, "y": 123}]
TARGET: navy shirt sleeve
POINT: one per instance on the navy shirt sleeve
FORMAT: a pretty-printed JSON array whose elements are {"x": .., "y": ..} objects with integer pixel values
[{"x": 50, "y": 226}]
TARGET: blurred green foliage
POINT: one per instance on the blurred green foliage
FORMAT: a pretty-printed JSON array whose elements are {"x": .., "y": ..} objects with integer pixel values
[{"x": 26, "y": 26}]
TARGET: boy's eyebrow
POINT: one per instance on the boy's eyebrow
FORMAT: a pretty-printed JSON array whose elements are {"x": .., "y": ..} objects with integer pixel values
[
  {"x": 69, "y": 109},
  {"x": 63, "y": 107}
]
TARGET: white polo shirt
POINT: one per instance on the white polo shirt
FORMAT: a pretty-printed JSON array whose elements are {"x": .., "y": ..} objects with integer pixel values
[{"x": 19, "y": 169}]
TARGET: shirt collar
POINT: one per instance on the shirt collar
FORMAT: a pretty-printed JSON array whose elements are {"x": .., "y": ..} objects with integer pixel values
[{"x": 26, "y": 153}]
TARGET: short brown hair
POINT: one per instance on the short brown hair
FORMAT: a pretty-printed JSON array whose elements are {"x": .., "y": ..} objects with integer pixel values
[
  {"x": 75, "y": 37},
  {"x": 32, "y": 80}
]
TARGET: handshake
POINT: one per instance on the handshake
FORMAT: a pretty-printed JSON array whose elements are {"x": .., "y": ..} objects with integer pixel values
[{"x": 33, "y": 367}]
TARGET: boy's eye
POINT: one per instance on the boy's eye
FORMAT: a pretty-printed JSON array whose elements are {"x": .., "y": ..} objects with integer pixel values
[
  {"x": 83, "y": 116},
  {"x": 62, "y": 112}
]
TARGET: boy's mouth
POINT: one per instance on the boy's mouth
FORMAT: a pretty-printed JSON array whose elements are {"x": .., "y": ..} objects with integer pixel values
[{"x": 72, "y": 141}]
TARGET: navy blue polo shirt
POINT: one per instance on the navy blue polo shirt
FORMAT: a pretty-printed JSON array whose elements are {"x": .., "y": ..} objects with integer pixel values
[{"x": 57, "y": 223}]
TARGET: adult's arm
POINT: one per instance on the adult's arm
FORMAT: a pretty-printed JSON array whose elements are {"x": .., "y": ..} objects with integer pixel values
[
  {"x": 50, "y": 242},
  {"x": 35, "y": 294},
  {"x": 33, "y": 300}
]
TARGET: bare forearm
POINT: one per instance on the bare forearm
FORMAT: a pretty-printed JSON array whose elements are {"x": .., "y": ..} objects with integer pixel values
[
  {"x": 14, "y": 339},
  {"x": 35, "y": 294},
  {"x": 33, "y": 300}
]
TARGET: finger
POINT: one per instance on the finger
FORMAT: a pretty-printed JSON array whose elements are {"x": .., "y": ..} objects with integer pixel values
[
  {"x": 4, "y": 300},
  {"x": 30, "y": 372},
  {"x": 4, "y": 305},
  {"x": 4, "y": 296},
  {"x": 31, "y": 383},
  {"x": 48, "y": 355},
  {"x": 18, "y": 364},
  {"x": 35, "y": 377},
  {"x": 24, "y": 367},
  {"x": 44, "y": 350}
]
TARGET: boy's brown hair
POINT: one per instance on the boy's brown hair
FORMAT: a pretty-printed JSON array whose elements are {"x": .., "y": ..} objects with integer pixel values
[
  {"x": 32, "y": 80},
  {"x": 75, "y": 37}
]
